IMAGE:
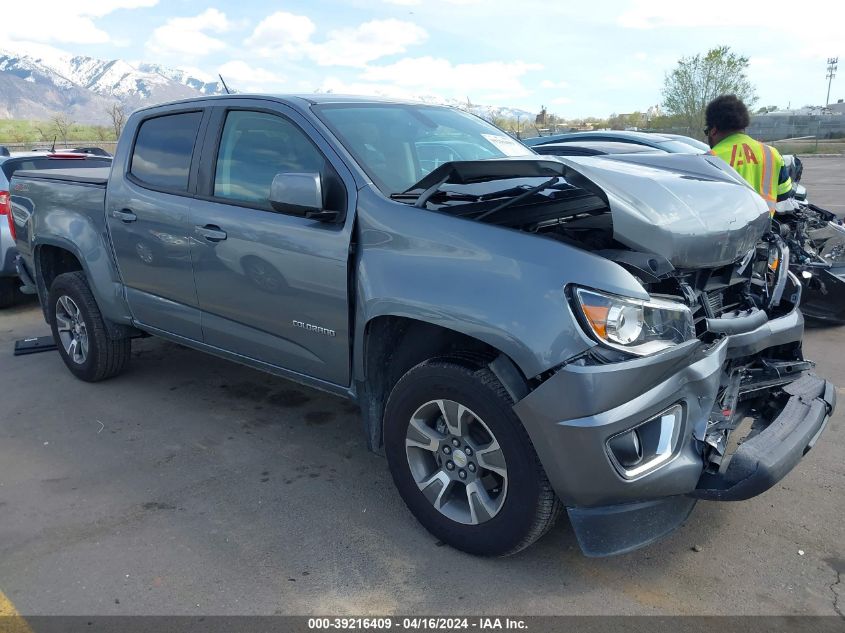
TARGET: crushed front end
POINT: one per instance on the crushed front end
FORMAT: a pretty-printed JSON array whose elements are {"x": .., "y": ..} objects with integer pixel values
[
  {"x": 816, "y": 239},
  {"x": 631, "y": 442},
  {"x": 691, "y": 387}
]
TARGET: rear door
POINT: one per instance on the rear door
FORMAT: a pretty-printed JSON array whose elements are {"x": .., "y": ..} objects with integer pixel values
[
  {"x": 147, "y": 205},
  {"x": 272, "y": 287}
]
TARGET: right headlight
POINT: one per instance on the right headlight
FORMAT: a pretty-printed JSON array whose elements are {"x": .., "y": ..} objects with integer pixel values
[{"x": 633, "y": 325}]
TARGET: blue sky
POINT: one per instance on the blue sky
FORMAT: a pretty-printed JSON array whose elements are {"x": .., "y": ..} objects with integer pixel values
[{"x": 578, "y": 59}]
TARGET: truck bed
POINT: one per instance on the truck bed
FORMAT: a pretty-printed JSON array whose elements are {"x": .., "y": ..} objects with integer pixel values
[
  {"x": 89, "y": 175},
  {"x": 45, "y": 202}
]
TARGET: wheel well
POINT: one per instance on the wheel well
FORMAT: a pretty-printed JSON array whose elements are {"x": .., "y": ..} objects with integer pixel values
[
  {"x": 54, "y": 261},
  {"x": 393, "y": 345}
]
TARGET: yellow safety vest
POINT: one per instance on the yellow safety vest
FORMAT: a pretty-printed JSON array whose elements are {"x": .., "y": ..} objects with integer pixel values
[{"x": 759, "y": 164}]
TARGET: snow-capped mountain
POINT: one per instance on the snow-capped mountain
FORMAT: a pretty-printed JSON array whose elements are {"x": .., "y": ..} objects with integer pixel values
[
  {"x": 192, "y": 79},
  {"x": 484, "y": 111},
  {"x": 39, "y": 81},
  {"x": 36, "y": 81}
]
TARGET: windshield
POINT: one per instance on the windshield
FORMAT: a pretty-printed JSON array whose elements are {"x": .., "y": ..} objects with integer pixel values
[{"x": 397, "y": 145}]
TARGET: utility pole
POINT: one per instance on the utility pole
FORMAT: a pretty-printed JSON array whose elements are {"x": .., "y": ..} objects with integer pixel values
[{"x": 831, "y": 73}]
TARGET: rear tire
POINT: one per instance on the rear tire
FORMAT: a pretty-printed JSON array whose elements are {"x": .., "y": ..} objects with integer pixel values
[
  {"x": 517, "y": 505},
  {"x": 80, "y": 332}
]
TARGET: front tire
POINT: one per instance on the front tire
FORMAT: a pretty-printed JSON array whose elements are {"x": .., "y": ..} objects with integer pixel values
[
  {"x": 462, "y": 461},
  {"x": 80, "y": 332}
]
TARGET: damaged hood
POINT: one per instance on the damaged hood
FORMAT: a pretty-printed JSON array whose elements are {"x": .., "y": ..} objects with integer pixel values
[{"x": 694, "y": 210}]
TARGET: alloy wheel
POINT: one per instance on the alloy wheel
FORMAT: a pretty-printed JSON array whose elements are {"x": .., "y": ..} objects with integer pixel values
[
  {"x": 73, "y": 333},
  {"x": 456, "y": 462}
]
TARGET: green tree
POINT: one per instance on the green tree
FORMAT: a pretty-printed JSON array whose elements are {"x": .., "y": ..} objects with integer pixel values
[{"x": 696, "y": 80}]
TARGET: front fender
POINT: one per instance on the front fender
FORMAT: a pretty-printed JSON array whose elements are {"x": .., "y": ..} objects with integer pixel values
[{"x": 497, "y": 285}]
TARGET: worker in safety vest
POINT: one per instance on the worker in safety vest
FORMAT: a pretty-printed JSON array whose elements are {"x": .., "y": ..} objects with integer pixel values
[{"x": 760, "y": 165}]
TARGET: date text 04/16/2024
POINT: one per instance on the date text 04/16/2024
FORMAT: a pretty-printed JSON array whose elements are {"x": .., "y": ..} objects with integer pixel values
[{"x": 418, "y": 623}]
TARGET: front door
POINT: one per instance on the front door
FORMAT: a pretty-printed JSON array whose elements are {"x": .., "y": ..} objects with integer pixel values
[
  {"x": 271, "y": 287},
  {"x": 147, "y": 214}
]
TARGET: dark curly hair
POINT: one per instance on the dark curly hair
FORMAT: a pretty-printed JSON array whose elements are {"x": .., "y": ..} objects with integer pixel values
[{"x": 727, "y": 113}]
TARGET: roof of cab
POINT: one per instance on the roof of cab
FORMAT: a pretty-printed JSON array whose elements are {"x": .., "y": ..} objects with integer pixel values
[{"x": 303, "y": 100}]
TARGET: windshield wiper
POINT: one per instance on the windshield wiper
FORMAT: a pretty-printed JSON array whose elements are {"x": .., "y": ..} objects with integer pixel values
[
  {"x": 420, "y": 198},
  {"x": 467, "y": 172},
  {"x": 527, "y": 193},
  {"x": 404, "y": 195}
]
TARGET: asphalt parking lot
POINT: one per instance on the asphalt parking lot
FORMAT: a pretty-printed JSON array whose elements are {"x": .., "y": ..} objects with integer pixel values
[
  {"x": 824, "y": 178},
  {"x": 191, "y": 485}
]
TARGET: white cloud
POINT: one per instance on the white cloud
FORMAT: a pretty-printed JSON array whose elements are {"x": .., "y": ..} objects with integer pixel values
[
  {"x": 188, "y": 37},
  {"x": 823, "y": 39},
  {"x": 339, "y": 86},
  {"x": 649, "y": 14},
  {"x": 195, "y": 72},
  {"x": 367, "y": 42},
  {"x": 625, "y": 78},
  {"x": 282, "y": 33},
  {"x": 290, "y": 35},
  {"x": 486, "y": 79},
  {"x": 548, "y": 83},
  {"x": 62, "y": 21},
  {"x": 562, "y": 101},
  {"x": 243, "y": 76}
]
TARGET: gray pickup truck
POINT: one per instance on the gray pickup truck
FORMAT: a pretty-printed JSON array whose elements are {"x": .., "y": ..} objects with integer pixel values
[{"x": 523, "y": 334}]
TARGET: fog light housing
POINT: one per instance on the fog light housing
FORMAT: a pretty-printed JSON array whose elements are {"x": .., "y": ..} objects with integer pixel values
[
  {"x": 627, "y": 448},
  {"x": 647, "y": 446}
]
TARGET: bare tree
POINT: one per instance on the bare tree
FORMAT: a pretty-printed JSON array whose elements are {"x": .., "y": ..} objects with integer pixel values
[
  {"x": 43, "y": 132},
  {"x": 499, "y": 121},
  {"x": 696, "y": 80},
  {"x": 118, "y": 118},
  {"x": 62, "y": 125}
]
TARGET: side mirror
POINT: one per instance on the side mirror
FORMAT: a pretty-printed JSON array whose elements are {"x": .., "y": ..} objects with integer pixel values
[{"x": 300, "y": 194}]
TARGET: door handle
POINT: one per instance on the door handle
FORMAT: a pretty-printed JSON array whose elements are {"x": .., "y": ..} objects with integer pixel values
[
  {"x": 124, "y": 215},
  {"x": 212, "y": 233}
]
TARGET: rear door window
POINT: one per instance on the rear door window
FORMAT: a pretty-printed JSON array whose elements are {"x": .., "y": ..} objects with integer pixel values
[{"x": 163, "y": 148}]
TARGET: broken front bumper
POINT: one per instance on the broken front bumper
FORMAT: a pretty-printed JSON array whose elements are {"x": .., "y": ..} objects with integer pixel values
[
  {"x": 763, "y": 460},
  {"x": 572, "y": 416}
]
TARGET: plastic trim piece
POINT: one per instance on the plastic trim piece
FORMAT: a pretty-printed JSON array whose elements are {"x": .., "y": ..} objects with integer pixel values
[{"x": 618, "y": 529}]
